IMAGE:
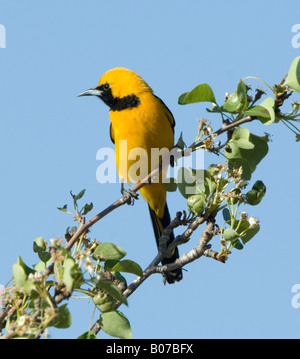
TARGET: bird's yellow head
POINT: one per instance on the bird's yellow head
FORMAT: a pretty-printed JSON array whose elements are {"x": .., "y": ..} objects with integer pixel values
[{"x": 119, "y": 88}]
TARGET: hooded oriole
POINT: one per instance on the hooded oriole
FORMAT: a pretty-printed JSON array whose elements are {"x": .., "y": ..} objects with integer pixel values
[{"x": 144, "y": 121}]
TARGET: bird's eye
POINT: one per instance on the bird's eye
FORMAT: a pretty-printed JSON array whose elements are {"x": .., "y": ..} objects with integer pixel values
[{"x": 106, "y": 86}]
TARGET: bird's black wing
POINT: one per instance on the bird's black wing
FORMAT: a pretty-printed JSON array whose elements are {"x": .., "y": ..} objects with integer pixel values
[{"x": 168, "y": 113}]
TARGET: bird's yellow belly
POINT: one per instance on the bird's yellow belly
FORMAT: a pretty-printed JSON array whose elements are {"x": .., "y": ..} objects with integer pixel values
[
  {"x": 140, "y": 136},
  {"x": 139, "y": 139}
]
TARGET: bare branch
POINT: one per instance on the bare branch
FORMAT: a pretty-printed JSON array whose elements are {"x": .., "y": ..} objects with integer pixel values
[
  {"x": 215, "y": 255},
  {"x": 193, "y": 254}
]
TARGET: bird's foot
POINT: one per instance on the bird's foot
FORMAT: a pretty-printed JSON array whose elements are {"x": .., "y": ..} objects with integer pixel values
[{"x": 128, "y": 195}]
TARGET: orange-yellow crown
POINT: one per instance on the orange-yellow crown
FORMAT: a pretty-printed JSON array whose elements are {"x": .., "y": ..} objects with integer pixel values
[{"x": 124, "y": 82}]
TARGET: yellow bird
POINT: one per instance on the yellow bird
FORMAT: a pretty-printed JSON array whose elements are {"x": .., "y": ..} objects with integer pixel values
[{"x": 141, "y": 119}]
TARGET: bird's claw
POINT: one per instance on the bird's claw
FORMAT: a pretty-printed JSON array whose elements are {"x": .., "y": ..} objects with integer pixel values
[{"x": 128, "y": 196}]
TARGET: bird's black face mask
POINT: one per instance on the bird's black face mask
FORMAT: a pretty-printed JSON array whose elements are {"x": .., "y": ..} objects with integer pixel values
[{"x": 114, "y": 103}]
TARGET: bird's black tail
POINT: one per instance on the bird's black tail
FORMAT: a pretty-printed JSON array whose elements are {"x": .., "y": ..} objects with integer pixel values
[{"x": 159, "y": 224}]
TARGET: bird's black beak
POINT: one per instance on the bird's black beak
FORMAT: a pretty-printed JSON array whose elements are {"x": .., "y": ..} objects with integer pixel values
[{"x": 92, "y": 92}]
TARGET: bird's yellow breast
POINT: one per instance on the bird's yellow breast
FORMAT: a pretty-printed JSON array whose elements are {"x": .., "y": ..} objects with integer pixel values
[
  {"x": 136, "y": 132},
  {"x": 144, "y": 127}
]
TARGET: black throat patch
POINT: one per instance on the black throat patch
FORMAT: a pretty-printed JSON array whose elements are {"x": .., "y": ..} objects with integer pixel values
[{"x": 117, "y": 103}]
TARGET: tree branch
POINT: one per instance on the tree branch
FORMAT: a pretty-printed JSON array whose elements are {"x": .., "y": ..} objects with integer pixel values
[
  {"x": 202, "y": 249},
  {"x": 195, "y": 253},
  {"x": 226, "y": 127},
  {"x": 121, "y": 201}
]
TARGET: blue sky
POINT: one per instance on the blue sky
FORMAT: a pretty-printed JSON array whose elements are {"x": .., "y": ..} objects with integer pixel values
[{"x": 49, "y": 139}]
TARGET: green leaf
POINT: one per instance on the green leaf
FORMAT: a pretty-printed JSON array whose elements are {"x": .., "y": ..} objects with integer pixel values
[
  {"x": 19, "y": 275},
  {"x": 128, "y": 266},
  {"x": 67, "y": 275},
  {"x": 44, "y": 256},
  {"x": 230, "y": 235},
  {"x": 40, "y": 266},
  {"x": 250, "y": 233},
  {"x": 251, "y": 197},
  {"x": 293, "y": 77},
  {"x": 180, "y": 143},
  {"x": 79, "y": 195},
  {"x": 244, "y": 229},
  {"x": 109, "y": 250},
  {"x": 196, "y": 204},
  {"x": 186, "y": 182},
  {"x": 76, "y": 197},
  {"x": 237, "y": 102},
  {"x": 241, "y": 136},
  {"x": 27, "y": 269},
  {"x": 115, "y": 324},
  {"x": 29, "y": 286},
  {"x": 256, "y": 194},
  {"x": 226, "y": 214},
  {"x": 104, "y": 301},
  {"x": 211, "y": 186},
  {"x": 190, "y": 181},
  {"x": 63, "y": 209},
  {"x": 259, "y": 151},
  {"x": 240, "y": 225},
  {"x": 260, "y": 187},
  {"x": 268, "y": 104},
  {"x": 212, "y": 170},
  {"x": 201, "y": 186},
  {"x": 87, "y": 335},
  {"x": 111, "y": 289},
  {"x": 39, "y": 245},
  {"x": 246, "y": 150},
  {"x": 215, "y": 109},
  {"x": 265, "y": 112},
  {"x": 62, "y": 319},
  {"x": 110, "y": 263},
  {"x": 237, "y": 245},
  {"x": 201, "y": 93},
  {"x": 87, "y": 208},
  {"x": 170, "y": 185}
]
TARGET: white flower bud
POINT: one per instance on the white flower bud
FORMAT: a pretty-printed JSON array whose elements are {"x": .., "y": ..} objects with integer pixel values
[{"x": 253, "y": 221}]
